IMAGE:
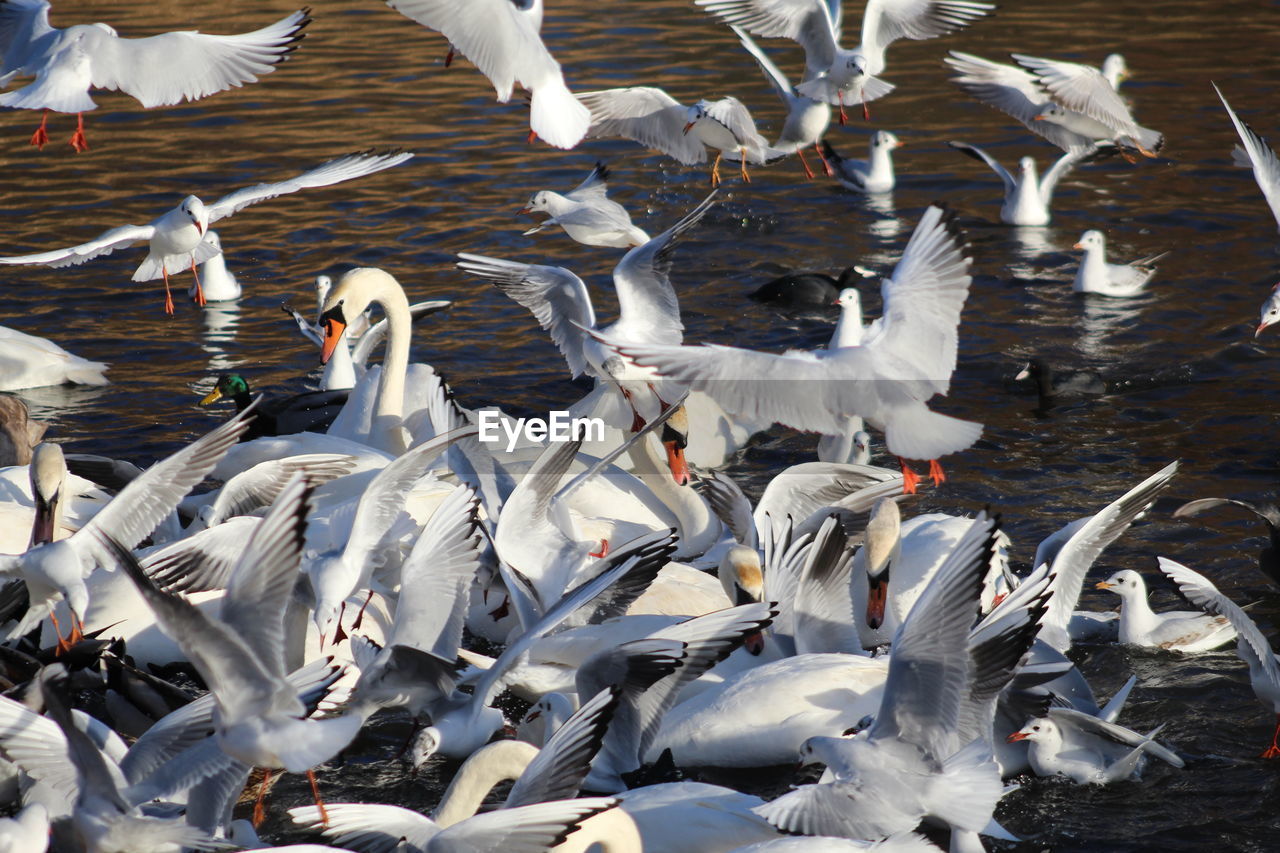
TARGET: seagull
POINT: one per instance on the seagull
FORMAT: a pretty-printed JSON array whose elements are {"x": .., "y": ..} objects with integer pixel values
[
  {"x": 1177, "y": 630},
  {"x": 1071, "y": 105},
  {"x": 653, "y": 118},
  {"x": 1251, "y": 644},
  {"x": 906, "y": 358},
  {"x": 649, "y": 312},
  {"x": 586, "y": 214},
  {"x": 807, "y": 119},
  {"x": 833, "y": 74},
  {"x": 1085, "y": 749},
  {"x": 1097, "y": 276},
  {"x": 501, "y": 37},
  {"x": 873, "y": 175},
  {"x": 156, "y": 71},
  {"x": 1027, "y": 197},
  {"x": 176, "y": 238}
]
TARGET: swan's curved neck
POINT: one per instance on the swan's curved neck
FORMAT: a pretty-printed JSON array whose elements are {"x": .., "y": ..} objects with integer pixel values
[
  {"x": 691, "y": 511},
  {"x": 360, "y": 288},
  {"x": 487, "y": 766}
]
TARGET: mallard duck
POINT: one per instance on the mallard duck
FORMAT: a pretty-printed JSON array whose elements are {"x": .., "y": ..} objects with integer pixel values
[{"x": 309, "y": 411}]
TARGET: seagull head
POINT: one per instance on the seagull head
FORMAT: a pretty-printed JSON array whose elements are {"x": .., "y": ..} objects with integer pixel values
[
  {"x": 885, "y": 139},
  {"x": 1270, "y": 311},
  {"x": 695, "y": 114},
  {"x": 1091, "y": 240},
  {"x": 1039, "y": 730},
  {"x": 1051, "y": 113},
  {"x": 536, "y": 204},
  {"x": 1124, "y": 583},
  {"x": 195, "y": 210}
]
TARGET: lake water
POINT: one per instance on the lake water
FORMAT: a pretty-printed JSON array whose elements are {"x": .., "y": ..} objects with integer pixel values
[{"x": 1195, "y": 384}]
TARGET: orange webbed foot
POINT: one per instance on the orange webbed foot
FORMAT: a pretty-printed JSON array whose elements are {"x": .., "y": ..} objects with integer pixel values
[
  {"x": 935, "y": 472},
  {"x": 910, "y": 479}
]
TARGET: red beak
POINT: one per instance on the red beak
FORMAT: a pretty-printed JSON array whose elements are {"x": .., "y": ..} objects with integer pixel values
[{"x": 1015, "y": 737}]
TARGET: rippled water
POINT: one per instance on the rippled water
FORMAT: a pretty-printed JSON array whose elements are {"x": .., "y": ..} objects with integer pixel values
[{"x": 1197, "y": 386}]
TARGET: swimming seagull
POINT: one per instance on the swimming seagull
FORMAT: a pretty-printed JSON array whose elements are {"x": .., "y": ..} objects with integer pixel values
[
  {"x": 1088, "y": 109},
  {"x": 586, "y": 214},
  {"x": 833, "y": 74},
  {"x": 156, "y": 71},
  {"x": 1176, "y": 630},
  {"x": 873, "y": 175},
  {"x": 1251, "y": 644},
  {"x": 1026, "y": 196},
  {"x": 653, "y": 118},
  {"x": 176, "y": 238},
  {"x": 501, "y": 37},
  {"x": 1087, "y": 750},
  {"x": 807, "y": 119},
  {"x": 1097, "y": 276},
  {"x": 906, "y": 358}
]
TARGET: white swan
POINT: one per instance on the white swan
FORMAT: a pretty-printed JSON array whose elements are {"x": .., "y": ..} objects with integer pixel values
[{"x": 27, "y": 361}]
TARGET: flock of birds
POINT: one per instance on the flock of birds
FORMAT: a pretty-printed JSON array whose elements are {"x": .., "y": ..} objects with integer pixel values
[{"x": 368, "y": 548}]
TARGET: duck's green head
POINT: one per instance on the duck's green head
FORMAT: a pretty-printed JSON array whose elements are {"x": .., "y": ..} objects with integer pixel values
[{"x": 229, "y": 385}]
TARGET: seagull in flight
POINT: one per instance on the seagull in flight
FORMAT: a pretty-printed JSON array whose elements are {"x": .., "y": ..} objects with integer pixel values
[
  {"x": 176, "y": 238},
  {"x": 156, "y": 71}
]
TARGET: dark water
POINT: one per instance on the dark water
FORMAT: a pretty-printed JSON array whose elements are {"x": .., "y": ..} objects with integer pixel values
[{"x": 1197, "y": 387}]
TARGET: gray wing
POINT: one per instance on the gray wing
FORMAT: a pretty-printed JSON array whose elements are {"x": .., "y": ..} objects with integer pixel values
[
  {"x": 808, "y": 22},
  {"x": 263, "y": 580},
  {"x": 823, "y": 608},
  {"x": 436, "y": 576},
  {"x": 646, "y": 115},
  {"x": 647, "y": 305},
  {"x": 333, "y": 172},
  {"x": 237, "y": 676},
  {"x": 527, "y": 829},
  {"x": 1110, "y": 731},
  {"x": 369, "y": 827},
  {"x": 886, "y": 21},
  {"x": 807, "y": 488},
  {"x": 1266, "y": 168},
  {"x": 104, "y": 244},
  {"x": 929, "y": 670},
  {"x": 1010, "y": 185},
  {"x": 1251, "y": 644},
  {"x": 23, "y": 23},
  {"x": 1080, "y": 88},
  {"x": 1075, "y": 558},
  {"x": 1067, "y": 162},
  {"x": 141, "y": 505},
  {"x": 734, "y": 115},
  {"x": 383, "y": 499},
  {"x": 730, "y": 505},
  {"x": 594, "y": 188},
  {"x": 1014, "y": 92},
  {"x": 776, "y": 78},
  {"x": 184, "y": 66},
  {"x": 92, "y": 772},
  {"x": 636, "y": 555},
  {"x": 556, "y": 297},
  {"x": 261, "y": 485},
  {"x": 203, "y": 561},
  {"x": 558, "y": 770}
]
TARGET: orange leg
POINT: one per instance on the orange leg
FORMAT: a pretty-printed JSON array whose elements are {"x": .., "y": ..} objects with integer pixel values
[
  {"x": 603, "y": 552},
  {"x": 715, "y": 171},
  {"x": 168, "y": 294},
  {"x": 866, "y": 112},
  {"x": 532, "y": 136},
  {"x": 448, "y": 58},
  {"x": 341, "y": 633},
  {"x": 840, "y": 99},
  {"x": 78, "y": 140},
  {"x": 825, "y": 165},
  {"x": 935, "y": 471},
  {"x": 199, "y": 300},
  {"x": 1273, "y": 751},
  {"x": 743, "y": 165},
  {"x": 808, "y": 173},
  {"x": 41, "y": 137},
  {"x": 260, "y": 813},
  {"x": 315, "y": 792},
  {"x": 910, "y": 479}
]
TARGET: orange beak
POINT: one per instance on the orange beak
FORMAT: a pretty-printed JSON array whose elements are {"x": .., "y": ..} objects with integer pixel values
[
  {"x": 689, "y": 125},
  {"x": 1077, "y": 246},
  {"x": 676, "y": 462},
  {"x": 1258, "y": 330},
  {"x": 333, "y": 329},
  {"x": 1015, "y": 737},
  {"x": 1102, "y": 585},
  {"x": 522, "y": 211},
  {"x": 1037, "y": 118}
]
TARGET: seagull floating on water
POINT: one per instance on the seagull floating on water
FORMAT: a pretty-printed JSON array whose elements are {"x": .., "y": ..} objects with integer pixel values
[{"x": 1097, "y": 276}]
